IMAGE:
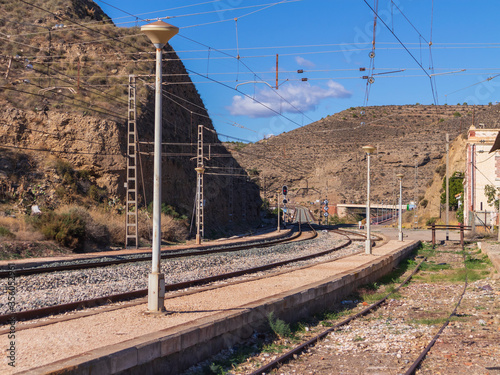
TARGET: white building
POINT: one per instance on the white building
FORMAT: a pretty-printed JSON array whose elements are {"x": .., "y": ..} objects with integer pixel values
[{"x": 483, "y": 168}]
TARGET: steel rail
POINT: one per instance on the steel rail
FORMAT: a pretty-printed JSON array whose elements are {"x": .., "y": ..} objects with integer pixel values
[
  {"x": 58, "y": 309},
  {"x": 171, "y": 254},
  {"x": 422, "y": 355},
  {"x": 311, "y": 342}
]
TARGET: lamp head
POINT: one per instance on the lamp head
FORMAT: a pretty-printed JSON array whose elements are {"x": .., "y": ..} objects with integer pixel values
[
  {"x": 369, "y": 149},
  {"x": 400, "y": 176},
  {"x": 159, "y": 32}
]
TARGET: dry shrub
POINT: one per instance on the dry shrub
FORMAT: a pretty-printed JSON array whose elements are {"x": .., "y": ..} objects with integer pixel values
[
  {"x": 32, "y": 235},
  {"x": 115, "y": 224},
  {"x": 96, "y": 231},
  {"x": 22, "y": 230},
  {"x": 171, "y": 229}
]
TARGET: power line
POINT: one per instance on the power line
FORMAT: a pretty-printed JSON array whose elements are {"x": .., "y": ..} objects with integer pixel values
[
  {"x": 56, "y": 151},
  {"x": 90, "y": 107},
  {"x": 300, "y": 125},
  {"x": 404, "y": 46}
]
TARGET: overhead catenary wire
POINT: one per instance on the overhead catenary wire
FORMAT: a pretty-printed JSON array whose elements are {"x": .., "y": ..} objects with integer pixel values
[
  {"x": 90, "y": 108},
  {"x": 404, "y": 46},
  {"x": 166, "y": 94},
  {"x": 59, "y": 151},
  {"x": 300, "y": 125}
]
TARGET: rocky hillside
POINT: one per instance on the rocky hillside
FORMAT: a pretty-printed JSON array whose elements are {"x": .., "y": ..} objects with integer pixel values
[
  {"x": 64, "y": 78},
  {"x": 326, "y": 158}
]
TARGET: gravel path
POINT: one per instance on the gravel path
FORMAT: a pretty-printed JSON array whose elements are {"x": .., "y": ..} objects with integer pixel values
[
  {"x": 391, "y": 338},
  {"x": 69, "y": 286}
]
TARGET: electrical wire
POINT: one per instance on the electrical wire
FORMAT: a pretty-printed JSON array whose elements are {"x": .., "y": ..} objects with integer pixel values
[
  {"x": 404, "y": 46},
  {"x": 55, "y": 135},
  {"x": 90, "y": 107},
  {"x": 57, "y": 151},
  {"x": 300, "y": 125}
]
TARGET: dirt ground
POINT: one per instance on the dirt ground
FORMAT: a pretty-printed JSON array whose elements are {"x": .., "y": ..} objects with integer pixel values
[{"x": 390, "y": 339}]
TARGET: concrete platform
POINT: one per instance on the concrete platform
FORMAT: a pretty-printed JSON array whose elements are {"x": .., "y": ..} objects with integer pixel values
[
  {"x": 128, "y": 341},
  {"x": 492, "y": 249}
]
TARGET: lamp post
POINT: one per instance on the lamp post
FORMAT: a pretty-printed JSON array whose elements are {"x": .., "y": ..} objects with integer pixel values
[
  {"x": 159, "y": 33},
  {"x": 400, "y": 178},
  {"x": 368, "y": 244}
]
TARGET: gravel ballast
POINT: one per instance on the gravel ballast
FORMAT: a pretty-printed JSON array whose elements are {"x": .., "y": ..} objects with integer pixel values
[{"x": 43, "y": 290}]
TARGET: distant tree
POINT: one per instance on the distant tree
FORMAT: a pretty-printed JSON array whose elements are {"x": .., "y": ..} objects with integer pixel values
[
  {"x": 456, "y": 187},
  {"x": 491, "y": 194}
]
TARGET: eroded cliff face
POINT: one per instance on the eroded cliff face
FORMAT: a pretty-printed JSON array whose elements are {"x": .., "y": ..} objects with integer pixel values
[
  {"x": 87, "y": 142},
  {"x": 98, "y": 145},
  {"x": 68, "y": 100}
]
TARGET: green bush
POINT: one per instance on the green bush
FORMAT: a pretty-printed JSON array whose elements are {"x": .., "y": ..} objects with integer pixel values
[
  {"x": 4, "y": 232},
  {"x": 63, "y": 168},
  {"x": 431, "y": 221},
  {"x": 278, "y": 326},
  {"x": 335, "y": 220},
  {"x": 96, "y": 193},
  {"x": 67, "y": 229}
]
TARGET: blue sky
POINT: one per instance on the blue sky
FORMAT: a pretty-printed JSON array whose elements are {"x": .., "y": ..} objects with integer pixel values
[{"x": 330, "y": 40}]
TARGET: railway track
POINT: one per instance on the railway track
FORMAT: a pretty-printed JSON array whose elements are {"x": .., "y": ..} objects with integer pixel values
[
  {"x": 291, "y": 355},
  {"x": 170, "y": 254},
  {"x": 87, "y": 303}
]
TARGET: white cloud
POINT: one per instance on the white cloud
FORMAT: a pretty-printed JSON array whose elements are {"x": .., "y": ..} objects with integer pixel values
[
  {"x": 305, "y": 63},
  {"x": 292, "y": 98}
]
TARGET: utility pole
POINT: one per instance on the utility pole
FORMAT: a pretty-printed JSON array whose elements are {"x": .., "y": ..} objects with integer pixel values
[
  {"x": 276, "y": 71},
  {"x": 200, "y": 170},
  {"x": 415, "y": 216},
  {"x": 279, "y": 214},
  {"x": 447, "y": 185}
]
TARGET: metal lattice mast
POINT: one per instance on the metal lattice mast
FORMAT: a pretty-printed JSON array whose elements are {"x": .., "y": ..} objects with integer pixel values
[
  {"x": 231, "y": 195},
  {"x": 200, "y": 170},
  {"x": 131, "y": 229}
]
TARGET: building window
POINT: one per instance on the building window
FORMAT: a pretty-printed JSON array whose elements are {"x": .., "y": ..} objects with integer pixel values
[{"x": 481, "y": 207}]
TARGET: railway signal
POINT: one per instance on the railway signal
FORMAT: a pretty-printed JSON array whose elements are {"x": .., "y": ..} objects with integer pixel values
[{"x": 285, "y": 190}]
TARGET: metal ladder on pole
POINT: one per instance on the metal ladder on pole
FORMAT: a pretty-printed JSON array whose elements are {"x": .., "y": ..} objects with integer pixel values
[
  {"x": 131, "y": 219},
  {"x": 200, "y": 170}
]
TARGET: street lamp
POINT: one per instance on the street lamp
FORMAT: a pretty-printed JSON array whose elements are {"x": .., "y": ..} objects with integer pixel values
[
  {"x": 368, "y": 244},
  {"x": 159, "y": 33},
  {"x": 400, "y": 178}
]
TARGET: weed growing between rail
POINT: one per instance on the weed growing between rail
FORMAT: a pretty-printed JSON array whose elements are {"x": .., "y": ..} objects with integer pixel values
[{"x": 434, "y": 273}]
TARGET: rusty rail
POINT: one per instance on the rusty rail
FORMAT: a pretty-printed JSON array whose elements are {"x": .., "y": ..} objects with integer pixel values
[{"x": 58, "y": 309}]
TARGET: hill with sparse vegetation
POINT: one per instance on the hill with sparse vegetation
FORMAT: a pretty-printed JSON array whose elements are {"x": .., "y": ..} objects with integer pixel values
[{"x": 326, "y": 159}]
